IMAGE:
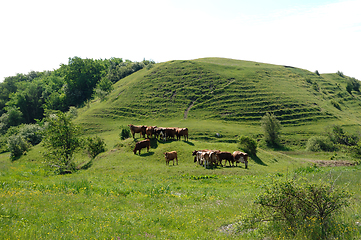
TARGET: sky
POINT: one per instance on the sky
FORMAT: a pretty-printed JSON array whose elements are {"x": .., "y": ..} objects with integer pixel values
[{"x": 323, "y": 35}]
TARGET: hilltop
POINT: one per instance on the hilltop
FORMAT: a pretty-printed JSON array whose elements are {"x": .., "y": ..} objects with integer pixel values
[{"x": 231, "y": 92}]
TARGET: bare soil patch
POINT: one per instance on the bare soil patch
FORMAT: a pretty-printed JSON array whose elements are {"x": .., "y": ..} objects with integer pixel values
[{"x": 333, "y": 163}]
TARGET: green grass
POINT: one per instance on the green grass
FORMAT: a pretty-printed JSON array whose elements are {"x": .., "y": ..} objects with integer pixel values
[
  {"x": 127, "y": 196},
  {"x": 131, "y": 196}
]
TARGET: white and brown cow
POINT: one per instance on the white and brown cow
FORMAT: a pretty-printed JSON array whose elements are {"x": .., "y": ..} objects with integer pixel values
[{"x": 240, "y": 157}]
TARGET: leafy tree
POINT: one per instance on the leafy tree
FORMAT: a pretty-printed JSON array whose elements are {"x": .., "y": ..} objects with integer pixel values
[
  {"x": 271, "y": 129},
  {"x": 61, "y": 139},
  {"x": 81, "y": 77},
  {"x": 247, "y": 144}
]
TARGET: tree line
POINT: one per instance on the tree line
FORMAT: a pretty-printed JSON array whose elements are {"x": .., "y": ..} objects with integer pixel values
[{"x": 25, "y": 98}]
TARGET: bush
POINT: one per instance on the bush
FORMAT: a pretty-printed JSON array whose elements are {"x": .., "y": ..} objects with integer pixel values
[
  {"x": 271, "y": 128},
  {"x": 319, "y": 143},
  {"x": 340, "y": 74},
  {"x": 247, "y": 144},
  {"x": 31, "y": 133},
  {"x": 125, "y": 133},
  {"x": 17, "y": 146},
  {"x": 73, "y": 112},
  {"x": 309, "y": 208},
  {"x": 94, "y": 146},
  {"x": 338, "y": 136}
]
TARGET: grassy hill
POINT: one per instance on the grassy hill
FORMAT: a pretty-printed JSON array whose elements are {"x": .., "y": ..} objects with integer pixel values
[
  {"x": 127, "y": 196},
  {"x": 229, "y": 97}
]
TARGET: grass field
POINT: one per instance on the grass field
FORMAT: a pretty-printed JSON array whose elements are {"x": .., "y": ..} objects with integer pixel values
[{"x": 127, "y": 196}]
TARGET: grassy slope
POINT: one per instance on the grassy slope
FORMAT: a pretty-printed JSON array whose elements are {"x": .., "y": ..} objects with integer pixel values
[
  {"x": 128, "y": 196},
  {"x": 228, "y": 97}
]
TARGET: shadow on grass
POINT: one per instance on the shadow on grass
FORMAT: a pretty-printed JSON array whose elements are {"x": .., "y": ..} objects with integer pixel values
[
  {"x": 146, "y": 154},
  {"x": 257, "y": 160},
  {"x": 189, "y": 143}
]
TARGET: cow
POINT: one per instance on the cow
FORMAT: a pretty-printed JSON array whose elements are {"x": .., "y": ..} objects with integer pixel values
[
  {"x": 213, "y": 157},
  {"x": 240, "y": 157},
  {"x": 169, "y": 156},
  {"x": 150, "y": 131},
  {"x": 182, "y": 132},
  {"x": 137, "y": 129},
  {"x": 227, "y": 156},
  {"x": 141, "y": 144},
  {"x": 170, "y": 133},
  {"x": 205, "y": 158},
  {"x": 159, "y": 131},
  {"x": 198, "y": 156}
]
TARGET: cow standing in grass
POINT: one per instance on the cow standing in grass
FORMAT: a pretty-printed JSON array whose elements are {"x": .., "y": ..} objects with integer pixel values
[
  {"x": 169, "y": 156},
  {"x": 142, "y": 144},
  {"x": 137, "y": 129},
  {"x": 240, "y": 157},
  {"x": 227, "y": 156},
  {"x": 182, "y": 132}
]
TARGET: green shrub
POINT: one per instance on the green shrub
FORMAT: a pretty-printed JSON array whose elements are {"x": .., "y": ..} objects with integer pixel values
[
  {"x": 124, "y": 133},
  {"x": 307, "y": 208},
  {"x": 31, "y": 133},
  {"x": 73, "y": 112},
  {"x": 340, "y": 74},
  {"x": 94, "y": 146},
  {"x": 17, "y": 145},
  {"x": 319, "y": 143},
  {"x": 247, "y": 144}
]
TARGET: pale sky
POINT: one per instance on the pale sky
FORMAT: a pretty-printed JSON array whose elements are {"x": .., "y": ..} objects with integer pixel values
[{"x": 323, "y": 35}]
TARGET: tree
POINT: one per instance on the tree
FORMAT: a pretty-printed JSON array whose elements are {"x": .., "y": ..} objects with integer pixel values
[
  {"x": 81, "y": 77},
  {"x": 271, "y": 128},
  {"x": 61, "y": 139}
]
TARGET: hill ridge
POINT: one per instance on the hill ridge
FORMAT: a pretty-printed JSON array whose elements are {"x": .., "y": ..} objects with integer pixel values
[{"x": 230, "y": 90}]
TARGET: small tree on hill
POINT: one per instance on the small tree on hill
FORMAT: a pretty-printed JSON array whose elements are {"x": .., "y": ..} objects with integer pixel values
[
  {"x": 271, "y": 128},
  {"x": 62, "y": 141}
]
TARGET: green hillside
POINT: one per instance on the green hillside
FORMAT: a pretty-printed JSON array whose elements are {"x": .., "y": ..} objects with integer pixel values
[{"x": 231, "y": 92}]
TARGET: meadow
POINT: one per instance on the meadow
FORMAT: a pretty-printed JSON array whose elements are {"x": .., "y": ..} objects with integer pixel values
[{"x": 125, "y": 196}]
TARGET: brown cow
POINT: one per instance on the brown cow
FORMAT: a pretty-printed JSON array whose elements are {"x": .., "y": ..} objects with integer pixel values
[
  {"x": 137, "y": 129},
  {"x": 141, "y": 144},
  {"x": 169, "y": 156},
  {"x": 182, "y": 132},
  {"x": 240, "y": 157},
  {"x": 150, "y": 131},
  {"x": 170, "y": 132},
  {"x": 227, "y": 156}
]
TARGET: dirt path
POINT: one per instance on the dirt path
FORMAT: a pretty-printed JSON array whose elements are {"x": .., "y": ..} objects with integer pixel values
[{"x": 187, "y": 110}]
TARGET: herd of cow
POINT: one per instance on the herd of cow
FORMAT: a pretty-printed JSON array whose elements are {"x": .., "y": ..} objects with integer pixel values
[{"x": 202, "y": 157}]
